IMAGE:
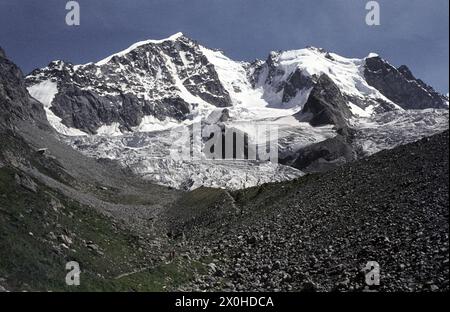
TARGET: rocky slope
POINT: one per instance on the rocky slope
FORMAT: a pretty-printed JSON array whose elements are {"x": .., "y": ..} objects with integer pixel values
[
  {"x": 318, "y": 232},
  {"x": 57, "y": 205}
]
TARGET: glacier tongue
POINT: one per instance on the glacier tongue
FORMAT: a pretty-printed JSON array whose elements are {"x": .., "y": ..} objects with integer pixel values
[
  {"x": 226, "y": 174},
  {"x": 390, "y": 129},
  {"x": 148, "y": 155}
]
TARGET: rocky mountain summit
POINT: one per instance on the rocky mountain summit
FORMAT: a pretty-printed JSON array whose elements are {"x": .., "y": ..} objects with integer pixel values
[
  {"x": 400, "y": 85},
  {"x": 158, "y": 78}
]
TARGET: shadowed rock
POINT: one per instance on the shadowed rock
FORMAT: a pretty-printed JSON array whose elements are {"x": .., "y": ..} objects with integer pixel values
[
  {"x": 400, "y": 85},
  {"x": 325, "y": 105}
]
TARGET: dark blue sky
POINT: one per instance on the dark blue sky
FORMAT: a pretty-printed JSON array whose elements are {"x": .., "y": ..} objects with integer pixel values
[{"x": 412, "y": 32}]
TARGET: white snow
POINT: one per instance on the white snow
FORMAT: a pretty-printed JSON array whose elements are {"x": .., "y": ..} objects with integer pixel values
[
  {"x": 266, "y": 100},
  {"x": 372, "y": 54},
  {"x": 248, "y": 102},
  {"x": 110, "y": 130},
  {"x": 45, "y": 92},
  {"x": 345, "y": 72},
  {"x": 151, "y": 123},
  {"x": 358, "y": 111}
]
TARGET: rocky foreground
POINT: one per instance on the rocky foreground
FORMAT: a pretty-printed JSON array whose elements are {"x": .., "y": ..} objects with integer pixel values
[
  {"x": 318, "y": 232},
  {"x": 314, "y": 233}
]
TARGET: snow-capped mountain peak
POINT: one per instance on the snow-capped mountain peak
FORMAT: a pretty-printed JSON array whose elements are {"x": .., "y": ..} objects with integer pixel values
[
  {"x": 287, "y": 71},
  {"x": 137, "y": 45},
  {"x": 156, "y": 83},
  {"x": 125, "y": 104}
]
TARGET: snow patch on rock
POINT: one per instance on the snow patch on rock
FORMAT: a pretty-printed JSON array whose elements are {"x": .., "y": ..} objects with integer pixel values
[{"x": 45, "y": 92}]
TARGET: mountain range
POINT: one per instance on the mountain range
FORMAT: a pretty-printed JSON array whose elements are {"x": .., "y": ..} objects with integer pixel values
[
  {"x": 177, "y": 79},
  {"x": 85, "y": 174},
  {"x": 329, "y": 109}
]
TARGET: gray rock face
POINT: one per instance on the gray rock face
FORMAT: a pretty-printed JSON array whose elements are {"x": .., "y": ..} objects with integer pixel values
[
  {"x": 296, "y": 82},
  {"x": 322, "y": 156},
  {"x": 400, "y": 85},
  {"x": 86, "y": 110},
  {"x": 150, "y": 80},
  {"x": 15, "y": 102},
  {"x": 325, "y": 105}
]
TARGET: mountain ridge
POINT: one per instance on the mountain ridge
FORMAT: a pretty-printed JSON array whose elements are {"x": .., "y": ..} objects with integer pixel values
[{"x": 177, "y": 79}]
